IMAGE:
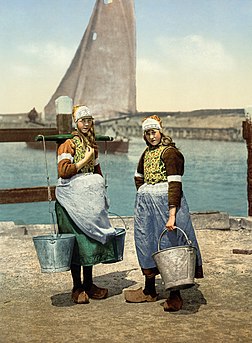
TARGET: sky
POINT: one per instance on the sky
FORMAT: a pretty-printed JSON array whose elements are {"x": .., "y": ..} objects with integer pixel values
[{"x": 191, "y": 54}]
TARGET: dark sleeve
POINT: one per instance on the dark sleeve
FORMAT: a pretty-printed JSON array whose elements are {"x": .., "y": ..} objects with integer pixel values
[
  {"x": 174, "y": 165},
  {"x": 139, "y": 174}
]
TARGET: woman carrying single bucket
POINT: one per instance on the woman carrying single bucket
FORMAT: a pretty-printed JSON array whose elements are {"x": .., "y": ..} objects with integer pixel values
[
  {"x": 160, "y": 203},
  {"x": 81, "y": 192}
]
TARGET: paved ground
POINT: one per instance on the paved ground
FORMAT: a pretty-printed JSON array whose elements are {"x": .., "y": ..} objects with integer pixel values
[{"x": 36, "y": 307}]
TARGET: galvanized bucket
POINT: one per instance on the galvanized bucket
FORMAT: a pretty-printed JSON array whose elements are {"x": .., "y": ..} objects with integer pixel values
[
  {"x": 176, "y": 264},
  {"x": 118, "y": 245},
  {"x": 54, "y": 251}
]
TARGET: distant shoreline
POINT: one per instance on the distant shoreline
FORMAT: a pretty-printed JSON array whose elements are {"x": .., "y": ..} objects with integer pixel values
[
  {"x": 220, "y": 125},
  {"x": 203, "y": 124}
]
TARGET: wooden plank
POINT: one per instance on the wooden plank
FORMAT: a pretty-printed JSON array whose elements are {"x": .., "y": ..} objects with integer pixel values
[
  {"x": 25, "y": 135},
  {"x": 29, "y": 135},
  {"x": 21, "y": 195},
  {"x": 242, "y": 251}
]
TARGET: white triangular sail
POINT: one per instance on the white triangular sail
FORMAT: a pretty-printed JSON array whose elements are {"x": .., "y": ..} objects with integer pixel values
[{"x": 102, "y": 72}]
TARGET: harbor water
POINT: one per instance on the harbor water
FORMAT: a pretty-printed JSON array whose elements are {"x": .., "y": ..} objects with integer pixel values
[{"x": 215, "y": 178}]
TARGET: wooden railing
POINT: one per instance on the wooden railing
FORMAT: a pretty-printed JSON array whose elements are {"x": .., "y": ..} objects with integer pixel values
[{"x": 31, "y": 194}]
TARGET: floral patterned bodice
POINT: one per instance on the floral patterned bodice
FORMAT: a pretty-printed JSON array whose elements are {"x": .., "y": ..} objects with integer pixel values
[
  {"x": 154, "y": 167},
  {"x": 80, "y": 152}
]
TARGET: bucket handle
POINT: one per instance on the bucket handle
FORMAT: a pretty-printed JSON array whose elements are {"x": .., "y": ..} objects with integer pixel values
[
  {"x": 117, "y": 215},
  {"x": 165, "y": 231}
]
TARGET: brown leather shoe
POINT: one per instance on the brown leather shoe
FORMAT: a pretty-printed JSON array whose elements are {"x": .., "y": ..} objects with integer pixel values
[
  {"x": 174, "y": 302},
  {"x": 97, "y": 293},
  {"x": 80, "y": 296},
  {"x": 138, "y": 296}
]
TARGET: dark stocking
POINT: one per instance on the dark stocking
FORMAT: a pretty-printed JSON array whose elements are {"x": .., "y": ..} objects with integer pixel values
[
  {"x": 150, "y": 288},
  {"x": 88, "y": 277},
  {"x": 76, "y": 276},
  {"x": 175, "y": 293}
]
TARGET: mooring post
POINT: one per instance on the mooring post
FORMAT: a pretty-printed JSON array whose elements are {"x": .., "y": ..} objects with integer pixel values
[
  {"x": 64, "y": 106},
  {"x": 247, "y": 135}
]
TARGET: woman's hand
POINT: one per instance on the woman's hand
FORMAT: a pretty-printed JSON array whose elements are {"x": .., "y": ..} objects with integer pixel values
[
  {"x": 88, "y": 156},
  {"x": 170, "y": 225},
  {"x": 89, "y": 153}
]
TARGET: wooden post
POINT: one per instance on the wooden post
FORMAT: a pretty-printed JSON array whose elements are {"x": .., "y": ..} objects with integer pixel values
[
  {"x": 247, "y": 135},
  {"x": 64, "y": 106}
]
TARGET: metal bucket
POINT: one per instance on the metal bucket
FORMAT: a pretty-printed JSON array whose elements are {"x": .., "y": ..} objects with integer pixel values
[
  {"x": 176, "y": 264},
  {"x": 54, "y": 252},
  {"x": 119, "y": 242},
  {"x": 118, "y": 245}
]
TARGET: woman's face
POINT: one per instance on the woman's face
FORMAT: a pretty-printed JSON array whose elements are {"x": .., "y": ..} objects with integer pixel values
[
  {"x": 153, "y": 136},
  {"x": 85, "y": 124}
]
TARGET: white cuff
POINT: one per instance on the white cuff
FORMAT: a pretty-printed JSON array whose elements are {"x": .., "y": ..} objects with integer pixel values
[
  {"x": 65, "y": 156},
  {"x": 138, "y": 175},
  {"x": 177, "y": 178}
]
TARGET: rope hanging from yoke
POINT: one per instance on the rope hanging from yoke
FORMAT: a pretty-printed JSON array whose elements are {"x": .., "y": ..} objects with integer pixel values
[
  {"x": 106, "y": 174},
  {"x": 51, "y": 211}
]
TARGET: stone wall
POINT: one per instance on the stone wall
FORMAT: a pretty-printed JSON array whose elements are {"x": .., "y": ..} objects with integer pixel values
[{"x": 225, "y": 134}]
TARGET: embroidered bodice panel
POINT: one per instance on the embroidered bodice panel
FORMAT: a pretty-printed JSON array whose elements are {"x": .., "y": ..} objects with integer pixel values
[
  {"x": 80, "y": 152},
  {"x": 154, "y": 167}
]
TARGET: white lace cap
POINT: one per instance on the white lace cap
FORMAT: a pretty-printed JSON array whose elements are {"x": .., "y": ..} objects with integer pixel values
[
  {"x": 82, "y": 112},
  {"x": 150, "y": 123}
]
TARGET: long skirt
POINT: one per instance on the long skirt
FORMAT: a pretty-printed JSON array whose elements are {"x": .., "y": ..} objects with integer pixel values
[
  {"x": 84, "y": 198},
  {"x": 150, "y": 218},
  {"x": 86, "y": 251}
]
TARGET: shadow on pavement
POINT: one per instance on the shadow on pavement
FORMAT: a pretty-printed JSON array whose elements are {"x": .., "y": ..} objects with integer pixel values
[
  {"x": 115, "y": 282},
  {"x": 192, "y": 298}
]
